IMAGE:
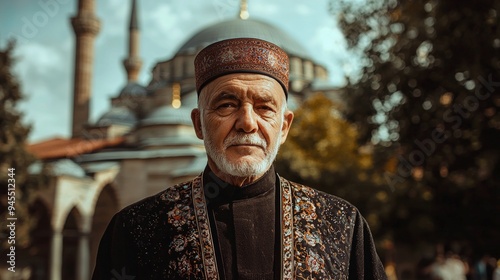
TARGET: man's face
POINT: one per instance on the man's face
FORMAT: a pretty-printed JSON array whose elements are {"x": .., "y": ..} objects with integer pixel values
[{"x": 243, "y": 120}]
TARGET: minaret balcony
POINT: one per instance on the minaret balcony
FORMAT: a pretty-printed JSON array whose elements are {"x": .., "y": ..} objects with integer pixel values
[
  {"x": 132, "y": 63},
  {"x": 86, "y": 24}
]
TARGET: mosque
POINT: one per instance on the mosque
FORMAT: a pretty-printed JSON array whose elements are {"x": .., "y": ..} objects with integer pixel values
[{"x": 142, "y": 144}]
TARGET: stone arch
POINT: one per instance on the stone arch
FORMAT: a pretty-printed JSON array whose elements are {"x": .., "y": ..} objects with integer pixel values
[
  {"x": 71, "y": 237},
  {"x": 41, "y": 238},
  {"x": 105, "y": 207}
]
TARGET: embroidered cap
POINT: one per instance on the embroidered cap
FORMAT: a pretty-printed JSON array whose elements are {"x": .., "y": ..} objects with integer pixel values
[{"x": 241, "y": 55}]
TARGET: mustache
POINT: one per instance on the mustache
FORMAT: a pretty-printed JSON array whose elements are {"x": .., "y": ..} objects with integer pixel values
[{"x": 245, "y": 139}]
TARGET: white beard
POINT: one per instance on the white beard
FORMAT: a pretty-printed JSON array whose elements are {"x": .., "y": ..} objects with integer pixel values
[{"x": 242, "y": 168}]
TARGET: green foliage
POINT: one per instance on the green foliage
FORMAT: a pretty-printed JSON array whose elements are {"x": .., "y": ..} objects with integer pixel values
[
  {"x": 13, "y": 154},
  {"x": 429, "y": 96},
  {"x": 321, "y": 141}
]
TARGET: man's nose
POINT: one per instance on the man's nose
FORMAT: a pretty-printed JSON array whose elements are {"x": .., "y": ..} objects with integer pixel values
[{"x": 247, "y": 120}]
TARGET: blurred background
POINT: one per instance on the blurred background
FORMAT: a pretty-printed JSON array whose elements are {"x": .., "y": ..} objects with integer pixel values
[{"x": 396, "y": 110}]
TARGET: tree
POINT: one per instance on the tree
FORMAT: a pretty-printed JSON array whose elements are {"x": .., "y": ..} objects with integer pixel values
[
  {"x": 320, "y": 140},
  {"x": 14, "y": 159},
  {"x": 428, "y": 96}
]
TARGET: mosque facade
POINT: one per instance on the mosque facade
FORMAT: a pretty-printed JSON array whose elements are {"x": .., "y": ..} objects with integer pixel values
[{"x": 144, "y": 143}]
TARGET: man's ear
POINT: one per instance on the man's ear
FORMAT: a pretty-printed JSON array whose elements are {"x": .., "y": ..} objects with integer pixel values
[
  {"x": 196, "y": 119},
  {"x": 287, "y": 123}
]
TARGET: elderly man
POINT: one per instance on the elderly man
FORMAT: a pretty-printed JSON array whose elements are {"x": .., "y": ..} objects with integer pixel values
[{"x": 239, "y": 219}]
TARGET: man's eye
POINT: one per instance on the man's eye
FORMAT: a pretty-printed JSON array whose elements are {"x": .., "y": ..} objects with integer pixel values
[
  {"x": 226, "y": 105},
  {"x": 225, "y": 109},
  {"x": 265, "y": 108}
]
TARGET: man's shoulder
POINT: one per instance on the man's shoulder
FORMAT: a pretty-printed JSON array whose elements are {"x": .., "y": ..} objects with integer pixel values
[
  {"x": 169, "y": 196},
  {"x": 310, "y": 193}
]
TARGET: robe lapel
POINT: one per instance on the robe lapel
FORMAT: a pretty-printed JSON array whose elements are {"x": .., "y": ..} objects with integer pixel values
[
  {"x": 205, "y": 233},
  {"x": 287, "y": 248}
]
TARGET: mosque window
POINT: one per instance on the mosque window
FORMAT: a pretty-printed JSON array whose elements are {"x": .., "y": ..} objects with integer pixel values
[
  {"x": 178, "y": 67},
  {"x": 308, "y": 70}
]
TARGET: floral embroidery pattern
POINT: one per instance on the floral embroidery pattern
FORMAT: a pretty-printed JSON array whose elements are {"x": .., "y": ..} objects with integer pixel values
[
  {"x": 184, "y": 266},
  {"x": 287, "y": 230},
  {"x": 307, "y": 209},
  {"x": 206, "y": 240},
  {"x": 179, "y": 243},
  {"x": 163, "y": 234},
  {"x": 311, "y": 239},
  {"x": 321, "y": 243},
  {"x": 179, "y": 215},
  {"x": 315, "y": 262}
]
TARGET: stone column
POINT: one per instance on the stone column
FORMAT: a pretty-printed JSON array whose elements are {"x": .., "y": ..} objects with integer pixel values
[
  {"x": 56, "y": 255},
  {"x": 83, "y": 257}
]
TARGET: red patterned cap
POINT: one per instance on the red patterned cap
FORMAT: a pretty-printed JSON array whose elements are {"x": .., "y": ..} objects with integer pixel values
[{"x": 241, "y": 55}]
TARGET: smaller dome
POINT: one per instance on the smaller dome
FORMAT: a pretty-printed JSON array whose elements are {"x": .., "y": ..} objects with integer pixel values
[
  {"x": 133, "y": 89},
  {"x": 117, "y": 115},
  {"x": 167, "y": 114}
]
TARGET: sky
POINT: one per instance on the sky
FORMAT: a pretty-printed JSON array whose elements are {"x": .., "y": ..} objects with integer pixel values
[{"x": 45, "y": 46}]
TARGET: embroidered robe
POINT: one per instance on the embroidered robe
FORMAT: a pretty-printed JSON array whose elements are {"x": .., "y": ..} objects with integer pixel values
[{"x": 168, "y": 236}]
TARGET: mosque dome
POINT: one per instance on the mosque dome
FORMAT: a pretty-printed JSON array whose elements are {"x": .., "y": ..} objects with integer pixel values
[
  {"x": 133, "y": 89},
  {"x": 236, "y": 28},
  {"x": 117, "y": 115},
  {"x": 167, "y": 114}
]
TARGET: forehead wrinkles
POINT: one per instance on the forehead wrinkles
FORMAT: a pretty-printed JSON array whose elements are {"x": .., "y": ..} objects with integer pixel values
[{"x": 246, "y": 86}]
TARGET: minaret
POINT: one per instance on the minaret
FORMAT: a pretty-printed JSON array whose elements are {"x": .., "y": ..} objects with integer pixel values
[
  {"x": 133, "y": 62},
  {"x": 244, "y": 9},
  {"x": 86, "y": 26}
]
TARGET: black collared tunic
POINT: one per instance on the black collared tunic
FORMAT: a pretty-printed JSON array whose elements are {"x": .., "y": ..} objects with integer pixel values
[{"x": 244, "y": 221}]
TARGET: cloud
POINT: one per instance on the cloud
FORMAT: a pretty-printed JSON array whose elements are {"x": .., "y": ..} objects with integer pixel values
[
  {"x": 44, "y": 69},
  {"x": 329, "y": 44},
  {"x": 303, "y": 10},
  {"x": 174, "y": 23},
  {"x": 45, "y": 81},
  {"x": 114, "y": 15},
  {"x": 264, "y": 9},
  {"x": 164, "y": 19}
]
